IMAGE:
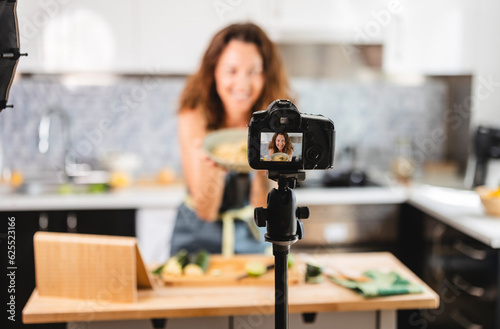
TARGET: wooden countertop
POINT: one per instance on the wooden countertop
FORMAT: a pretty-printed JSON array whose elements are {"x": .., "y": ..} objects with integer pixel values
[{"x": 171, "y": 302}]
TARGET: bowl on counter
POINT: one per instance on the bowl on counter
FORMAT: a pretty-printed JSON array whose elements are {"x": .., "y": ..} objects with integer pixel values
[{"x": 490, "y": 198}]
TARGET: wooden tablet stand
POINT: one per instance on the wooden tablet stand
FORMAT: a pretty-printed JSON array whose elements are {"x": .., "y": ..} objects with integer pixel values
[{"x": 91, "y": 267}]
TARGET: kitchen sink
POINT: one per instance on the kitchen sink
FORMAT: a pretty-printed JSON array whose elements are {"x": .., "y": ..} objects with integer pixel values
[{"x": 88, "y": 182}]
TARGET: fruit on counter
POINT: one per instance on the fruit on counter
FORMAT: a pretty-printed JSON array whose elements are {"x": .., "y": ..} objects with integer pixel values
[
  {"x": 199, "y": 265},
  {"x": 16, "y": 179},
  {"x": 255, "y": 269},
  {"x": 314, "y": 273},
  {"x": 65, "y": 189},
  {"x": 119, "y": 179},
  {"x": 494, "y": 194},
  {"x": 166, "y": 176}
]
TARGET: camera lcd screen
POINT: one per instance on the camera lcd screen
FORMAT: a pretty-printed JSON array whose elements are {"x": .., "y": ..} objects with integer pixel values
[{"x": 281, "y": 147}]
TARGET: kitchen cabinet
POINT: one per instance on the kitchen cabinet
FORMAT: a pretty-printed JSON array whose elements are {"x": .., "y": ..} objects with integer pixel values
[
  {"x": 432, "y": 38},
  {"x": 109, "y": 222},
  {"x": 462, "y": 270},
  {"x": 124, "y": 36},
  {"x": 165, "y": 37},
  {"x": 77, "y": 36}
]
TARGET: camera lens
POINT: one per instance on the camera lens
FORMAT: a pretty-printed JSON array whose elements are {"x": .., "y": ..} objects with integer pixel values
[{"x": 314, "y": 153}]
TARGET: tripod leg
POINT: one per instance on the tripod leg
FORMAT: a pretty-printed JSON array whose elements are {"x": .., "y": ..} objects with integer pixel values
[{"x": 281, "y": 286}]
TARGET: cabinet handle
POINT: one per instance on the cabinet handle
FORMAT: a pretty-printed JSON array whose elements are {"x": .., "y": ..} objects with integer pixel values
[
  {"x": 469, "y": 251},
  {"x": 71, "y": 222},
  {"x": 43, "y": 221},
  {"x": 463, "y": 321},
  {"x": 436, "y": 258},
  {"x": 462, "y": 284}
]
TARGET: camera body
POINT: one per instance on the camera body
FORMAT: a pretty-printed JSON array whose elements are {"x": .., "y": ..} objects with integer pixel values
[{"x": 281, "y": 138}]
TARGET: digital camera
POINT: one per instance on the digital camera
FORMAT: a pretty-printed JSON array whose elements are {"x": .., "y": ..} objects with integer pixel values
[{"x": 281, "y": 138}]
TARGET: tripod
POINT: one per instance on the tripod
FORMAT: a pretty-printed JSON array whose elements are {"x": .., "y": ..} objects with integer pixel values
[{"x": 284, "y": 228}]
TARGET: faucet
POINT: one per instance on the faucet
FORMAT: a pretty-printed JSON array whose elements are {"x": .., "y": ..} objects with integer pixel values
[{"x": 44, "y": 139}]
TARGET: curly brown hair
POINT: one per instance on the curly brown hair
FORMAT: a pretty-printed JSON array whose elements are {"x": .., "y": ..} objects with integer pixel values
[
  {"x": 200, "y": 91},
  {"x": 288, "y": 143}
]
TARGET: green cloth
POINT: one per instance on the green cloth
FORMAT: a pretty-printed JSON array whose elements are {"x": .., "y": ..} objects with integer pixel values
[{"x": 380, "y": 284}]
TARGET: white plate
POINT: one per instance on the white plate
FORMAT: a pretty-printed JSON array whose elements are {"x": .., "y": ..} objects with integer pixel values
[
  {"x": 287, "y": 157},
  {"x": 227, "y": 136}
]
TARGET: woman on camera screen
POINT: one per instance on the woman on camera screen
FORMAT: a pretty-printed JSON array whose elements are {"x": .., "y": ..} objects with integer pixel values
[
  {"x": 281, "y": 143},
  {"x": 240, "y": 73}
]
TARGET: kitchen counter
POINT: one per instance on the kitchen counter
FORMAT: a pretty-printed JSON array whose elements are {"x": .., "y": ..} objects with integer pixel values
[
  {"x": 173, "y": 302},
  {"x": 460, "y": 209},
  {"x": 171, "y": 196},
  {"x": 128, "y": 198}
]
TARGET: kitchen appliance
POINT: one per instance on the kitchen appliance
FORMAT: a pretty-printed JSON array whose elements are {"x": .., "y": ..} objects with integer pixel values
[{"x": 487, "y": 157}]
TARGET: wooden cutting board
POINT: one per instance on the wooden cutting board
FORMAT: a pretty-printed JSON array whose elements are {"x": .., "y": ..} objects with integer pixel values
[{"x": 225, "y": 271}]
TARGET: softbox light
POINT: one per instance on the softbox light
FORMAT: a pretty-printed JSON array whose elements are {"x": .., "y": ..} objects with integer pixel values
[{"x": 9, "y": 48}]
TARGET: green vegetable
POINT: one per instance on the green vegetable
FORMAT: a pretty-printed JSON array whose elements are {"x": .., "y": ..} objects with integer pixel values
[
  {"x": 98, "y": 188},
  {"x": 314, "y": 273},
  {"x": 182, "y": 257},
  {"x": 199, "y": 264},
  {"x": 291, "y": 260},
  {"x": 174, "y": 265},
  {"x": 202, "y": 260},
  {"x": 255, "y": 269}
]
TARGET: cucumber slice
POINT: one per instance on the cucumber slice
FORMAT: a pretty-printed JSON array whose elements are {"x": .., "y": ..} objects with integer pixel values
[
  {"x": 255, "y": 269},
  {"x": 314, "y": 273},
  {"x": 202, "y": 259}
]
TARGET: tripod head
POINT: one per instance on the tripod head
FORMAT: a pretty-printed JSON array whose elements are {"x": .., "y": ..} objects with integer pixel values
[{"x": 282, "y": 216}]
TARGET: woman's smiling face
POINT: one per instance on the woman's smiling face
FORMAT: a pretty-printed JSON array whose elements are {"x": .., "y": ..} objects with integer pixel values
[
  {"x": 239, "y": 77},
  {"x": 280, "y": 142}
]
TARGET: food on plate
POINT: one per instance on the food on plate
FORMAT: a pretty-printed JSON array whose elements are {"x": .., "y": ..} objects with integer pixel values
[
  {"x": 280, "y": 157},
  {"x": 232, "y": 152}
]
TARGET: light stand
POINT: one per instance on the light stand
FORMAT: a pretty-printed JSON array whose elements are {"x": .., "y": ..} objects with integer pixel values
[{"x": 284, "y": 228}]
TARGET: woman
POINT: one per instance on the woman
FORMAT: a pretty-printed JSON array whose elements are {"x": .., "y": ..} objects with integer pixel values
[
  {"x": 281, "y": 143},
  {"x": 240, "y": 73}
]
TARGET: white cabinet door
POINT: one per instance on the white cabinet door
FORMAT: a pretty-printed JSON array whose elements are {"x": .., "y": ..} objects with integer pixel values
[
  {"x": 77, "y": 35},
  {"x": 432, "y": 37},
  {"x": 174, "y": 34},
  {"x": 125, "y": 36}
]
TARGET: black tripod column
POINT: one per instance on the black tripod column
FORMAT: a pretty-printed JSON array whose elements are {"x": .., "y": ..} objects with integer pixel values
[
  {"x": 284, "y": 228},
  {"x": 281, "y": 285}
]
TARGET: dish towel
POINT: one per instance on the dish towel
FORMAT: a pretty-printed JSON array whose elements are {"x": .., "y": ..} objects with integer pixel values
[
  {"x": 379, "y": 283},
  {"x": 228, "y": 217},
  {"x": 245, "y": 214}
]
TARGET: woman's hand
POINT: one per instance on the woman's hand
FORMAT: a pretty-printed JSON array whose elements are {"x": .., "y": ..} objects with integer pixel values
[{"x": 204, "y": 179}]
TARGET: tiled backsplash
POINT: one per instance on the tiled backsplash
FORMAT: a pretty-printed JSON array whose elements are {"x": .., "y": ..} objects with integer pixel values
[{"x": 139, "y": 115}]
